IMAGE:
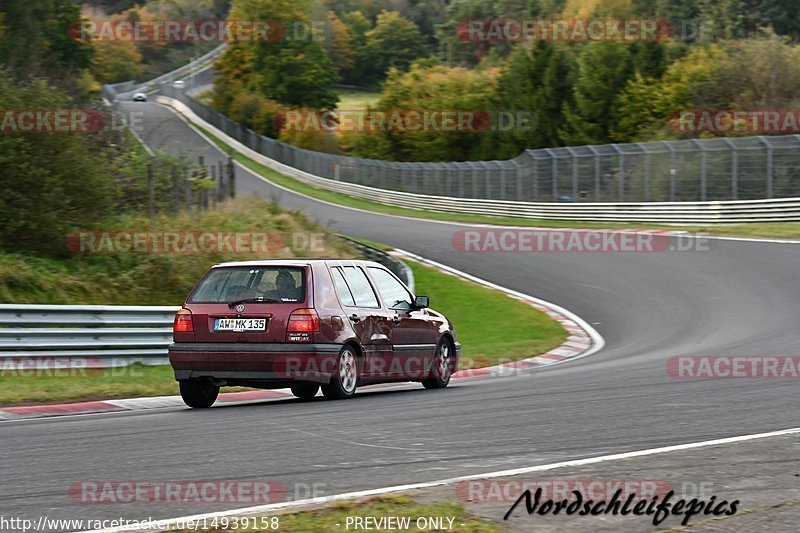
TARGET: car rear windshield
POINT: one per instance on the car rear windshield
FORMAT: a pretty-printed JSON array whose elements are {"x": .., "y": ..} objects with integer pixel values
[{"x": 272, "y": 283}]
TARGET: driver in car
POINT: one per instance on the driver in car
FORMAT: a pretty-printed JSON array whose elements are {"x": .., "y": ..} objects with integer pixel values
[{"x": 285, "y": 286}]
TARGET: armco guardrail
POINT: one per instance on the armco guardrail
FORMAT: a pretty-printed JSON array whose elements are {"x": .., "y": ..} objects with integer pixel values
[
  {"x": 124, "y": 90},
  {"x": 774, "y": 210},
  {"x": 693, "y": 170},
  {"x": 370, "y": 253},
  {"x": 103, "y": 336}
]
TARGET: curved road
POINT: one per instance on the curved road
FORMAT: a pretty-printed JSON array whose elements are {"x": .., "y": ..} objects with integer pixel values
[{"x": 738, "y": 298}]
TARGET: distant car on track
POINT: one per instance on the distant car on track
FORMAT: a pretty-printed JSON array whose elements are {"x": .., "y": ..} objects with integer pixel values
[
  {"x": 306, "y": 324},
  {"x": 179, "y": 84},
  {"x": 139, "y": 97}
]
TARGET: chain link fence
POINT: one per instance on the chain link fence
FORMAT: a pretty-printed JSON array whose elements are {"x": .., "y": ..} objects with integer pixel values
[{"x": 695, "y": 170}]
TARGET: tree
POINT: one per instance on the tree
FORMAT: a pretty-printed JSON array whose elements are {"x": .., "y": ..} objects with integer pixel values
[
  {"x": 535, "y": 81},
  {"x": 603, "y": 70},
  {"x": 291, "y": 68},
  {"x": 116, "y": 61},
  {"x": 50, "y": 183},
  {"x": 36, "y": 39},
  {"x": 393, "y": 42}
]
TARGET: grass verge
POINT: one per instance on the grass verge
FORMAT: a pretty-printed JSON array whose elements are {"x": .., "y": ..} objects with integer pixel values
[
  {"x": 523, "y": 332},
  {"x": 114, "y": 277},
  {"x": 355, "y": 100},
  {"x": 775, "y": 230},
  {"x": 337, "y": 516},
  {"x": 58, "y": 386}
]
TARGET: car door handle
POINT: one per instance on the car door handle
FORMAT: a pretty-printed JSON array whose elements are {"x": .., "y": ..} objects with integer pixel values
[
  {"x": 355, "y": 318},
  {"x": 396, "y": 319}
]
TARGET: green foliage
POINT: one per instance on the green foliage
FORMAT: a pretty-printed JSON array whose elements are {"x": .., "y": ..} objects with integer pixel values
[
  {"x": 394, "y": 42},
  {"x": 35, "y": 39},
  {"x": 294, "y": 70},
  {"x": 430, "y": 89},
  {"x": 49, "y": 183},
  {"x": 153, "y": 278},
  {"x": 603, "y": 70},
  {"x": 536, "y": 81}
]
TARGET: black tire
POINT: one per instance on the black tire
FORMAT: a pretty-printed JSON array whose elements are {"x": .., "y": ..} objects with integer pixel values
[
  {"x": 199, "y": 394},
  {"x": 442, "y": 368},
  {"x": 344, "y": 380},
  {"x": 305, "y": 391}
]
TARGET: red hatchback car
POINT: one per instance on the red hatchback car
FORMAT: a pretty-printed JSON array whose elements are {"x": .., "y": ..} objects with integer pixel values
[{"x": 307, "y": 324}]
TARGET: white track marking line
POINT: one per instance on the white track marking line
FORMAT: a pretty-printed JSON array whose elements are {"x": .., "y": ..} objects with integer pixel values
[{"x": 172, "y": 523}]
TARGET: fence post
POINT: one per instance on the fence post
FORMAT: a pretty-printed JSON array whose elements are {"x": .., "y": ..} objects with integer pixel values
[
  {"x": 646, "y": 183},
  {"x": 231, "y": 177},
  {"x": 574, "y": 173},
  {"x": 596, "y": 173},
  {"x": 214, "y": 185},
  {"x": 221, "y": 184},
  {"x": 703, "y": 171},
  {"x": 553, "y": 174},
  {"x": 672, "y": 172},
  {"x": 769, "y": 165},
  {"x": 621, "y": 182},
  {"x": 734, "y": 169}
]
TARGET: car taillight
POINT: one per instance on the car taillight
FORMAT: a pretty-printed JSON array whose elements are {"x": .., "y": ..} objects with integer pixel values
[
  {"x": 183, "y": 322},
  {"x": 302, "y": 322}
]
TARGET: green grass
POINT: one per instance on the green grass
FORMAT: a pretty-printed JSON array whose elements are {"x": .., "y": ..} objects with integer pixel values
[
  {"x": 334, "y": 517},
  {"x": 491, "y": 327},
  {"x": 353, "y": 100},
  {"x": 523, "y": 332},
  {"x": 781, "y": 230},
  {"x": 156, "y": 278},
  {"x": 25, "y": 387}
]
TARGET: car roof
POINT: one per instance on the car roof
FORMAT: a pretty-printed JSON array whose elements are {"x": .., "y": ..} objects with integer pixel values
[{"x": 295, "y": 262}]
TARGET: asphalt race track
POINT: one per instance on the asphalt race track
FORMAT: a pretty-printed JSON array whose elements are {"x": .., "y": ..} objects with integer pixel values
[{"x": 737, "y": 298}]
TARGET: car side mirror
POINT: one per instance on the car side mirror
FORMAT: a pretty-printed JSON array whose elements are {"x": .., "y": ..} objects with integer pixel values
[{"x": 421, "y": 302}]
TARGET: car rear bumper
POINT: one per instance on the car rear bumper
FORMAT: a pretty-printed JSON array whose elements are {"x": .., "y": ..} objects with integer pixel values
[{"x": 275, "y": 363}]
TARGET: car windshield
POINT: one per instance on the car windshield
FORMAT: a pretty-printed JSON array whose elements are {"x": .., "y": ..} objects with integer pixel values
[{"x": 272, "y": 283}]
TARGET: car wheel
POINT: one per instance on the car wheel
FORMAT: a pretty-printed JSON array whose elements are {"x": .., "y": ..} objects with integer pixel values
[
  {"x": 345, "y": 376},
  {"x": 305, "y": 391},
  {"x": 442, "y": 366},
  {"x": 199, "y": 393}
]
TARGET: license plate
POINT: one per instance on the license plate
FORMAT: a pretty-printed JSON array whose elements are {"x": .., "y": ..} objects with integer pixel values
[{"x": 240, "y": 324}]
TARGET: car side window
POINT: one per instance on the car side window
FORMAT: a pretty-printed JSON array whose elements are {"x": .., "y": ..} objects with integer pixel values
[
  {"x": 392, "y": 291},
  {"x": 359, "y": 285},
  {"x": 342, "y": 290}
]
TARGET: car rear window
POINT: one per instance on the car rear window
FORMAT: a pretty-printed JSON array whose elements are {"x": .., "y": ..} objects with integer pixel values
[{"x": 229, "y": 284}]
